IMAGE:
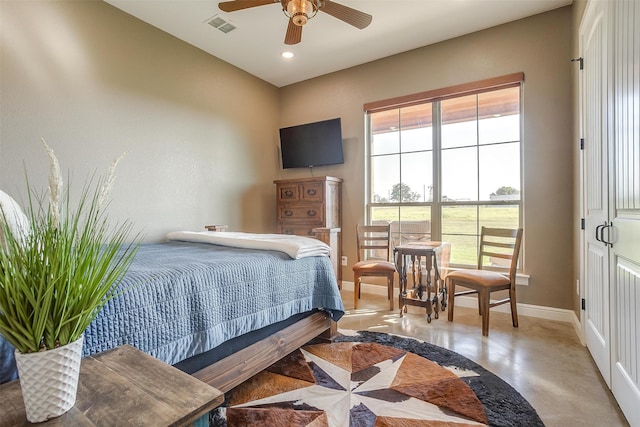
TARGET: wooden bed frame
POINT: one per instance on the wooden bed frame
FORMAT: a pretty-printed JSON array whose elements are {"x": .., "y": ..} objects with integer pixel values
[{"x": 242, "y": 365}]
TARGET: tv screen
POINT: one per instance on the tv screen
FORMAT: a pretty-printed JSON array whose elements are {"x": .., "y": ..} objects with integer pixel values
[{"x": 312, "y": 144}]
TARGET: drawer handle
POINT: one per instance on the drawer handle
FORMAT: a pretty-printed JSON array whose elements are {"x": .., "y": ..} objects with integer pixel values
[
  {"x": 288, "y": 193},
  {"x": 311, "y": 212},
  {"x": 289, "y": 232},
  {"x": 311, "y": 192},
  {"x": 288, "y": 213}
]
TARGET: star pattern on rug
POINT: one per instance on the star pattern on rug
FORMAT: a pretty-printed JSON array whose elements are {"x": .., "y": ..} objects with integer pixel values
[{"x": 364, "y": 384}]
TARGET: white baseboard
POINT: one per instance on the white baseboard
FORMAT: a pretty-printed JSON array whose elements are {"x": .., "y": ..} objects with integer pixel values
[{"x": 538, "y": 311}]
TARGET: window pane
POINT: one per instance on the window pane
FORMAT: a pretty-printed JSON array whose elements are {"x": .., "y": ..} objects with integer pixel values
[
  {"x": 414, "y": 225},
  {"x": 499, "y": 129},
  {"x": 460, "y": 174},
  {"x": 464, "y": 249},
  {"x": 460, "y": 220},
  {"x": 500, "y": 171},
  {"x": 385, "y": 143},
  {"x": 417, "y": 177},
  {"x": 499, "y": 115},
  {"x": 416, "y": 128},
  {"x": 415, "y": 213},
  {"x": 459, "y": 122},
  {"x": 385, "y": 137},
  {"x": 385, "y": 173},
  {"x": 460, "y": 228},
  {"x": 384, "y": 214},
  {"x": 499, "y": 216}
]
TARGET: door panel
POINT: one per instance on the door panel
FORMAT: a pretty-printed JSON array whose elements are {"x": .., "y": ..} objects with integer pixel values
[
  {"x": 625, "y": 210},
  {"x": 596, "y": 306},
  {"x": 595, "y": 114}
]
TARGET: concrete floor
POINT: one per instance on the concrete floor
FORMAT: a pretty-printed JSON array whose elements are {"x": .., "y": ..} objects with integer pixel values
[{"x": 542, "y": 359}]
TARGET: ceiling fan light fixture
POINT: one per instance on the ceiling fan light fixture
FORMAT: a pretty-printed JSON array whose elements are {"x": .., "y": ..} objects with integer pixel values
[{"x": 300, "y": 11}]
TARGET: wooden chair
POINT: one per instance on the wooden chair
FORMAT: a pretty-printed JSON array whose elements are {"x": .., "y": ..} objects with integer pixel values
[
  {"x": 495, "y": 243},
  {"x": 373, "y": 239}
]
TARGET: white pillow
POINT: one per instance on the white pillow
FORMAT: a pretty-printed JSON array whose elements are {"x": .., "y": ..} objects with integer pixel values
[{"x": 15, "y": 218}]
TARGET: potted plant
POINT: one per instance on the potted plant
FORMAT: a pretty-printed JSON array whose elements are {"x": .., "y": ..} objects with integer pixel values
[{"x": 59, "y": 265}]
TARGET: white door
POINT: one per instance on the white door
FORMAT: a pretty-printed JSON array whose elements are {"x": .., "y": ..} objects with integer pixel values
[
  {"x": 595, "y": 115},
  {"x": 625, "y": 210}
]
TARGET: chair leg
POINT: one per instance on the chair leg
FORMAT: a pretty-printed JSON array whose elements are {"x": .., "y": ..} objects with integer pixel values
[
  {"x": 390, "y": 291},
  {"x": 356, "y": 290},
  {"x": 483, "y": 300},
  {"x": 451, "y": 293},
  {"x": 514, "y": 307}
]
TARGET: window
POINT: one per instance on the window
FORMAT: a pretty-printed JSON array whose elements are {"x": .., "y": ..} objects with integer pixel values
[{"x": 441, "y": 167}]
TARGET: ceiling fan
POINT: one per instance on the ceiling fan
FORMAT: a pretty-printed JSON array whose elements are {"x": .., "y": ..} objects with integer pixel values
[{"x": 300, "y": 11}]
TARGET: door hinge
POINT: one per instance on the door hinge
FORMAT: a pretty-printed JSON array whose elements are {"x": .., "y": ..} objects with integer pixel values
[
  {"x": 582, "y": 143},
  {"x": 584, "y": 304},
  {"x": 580, "y": 60},
  {"x": 581, "y": 223}
]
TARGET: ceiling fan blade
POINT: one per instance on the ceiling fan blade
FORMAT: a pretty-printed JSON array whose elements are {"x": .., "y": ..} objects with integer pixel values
[
  {"x": 232, "y": 6},
  {"x": 294, "y": 33},
  {"x": 344, "y": 13}
]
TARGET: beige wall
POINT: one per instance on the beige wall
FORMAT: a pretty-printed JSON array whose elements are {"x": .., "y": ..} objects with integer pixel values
[
  {"x": 96, "y": 82},
  {"x": 201, "y": 135},
  {"x": 539, "y": 46}
]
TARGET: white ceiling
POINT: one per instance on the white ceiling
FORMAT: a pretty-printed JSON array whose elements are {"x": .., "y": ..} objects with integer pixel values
[{"x": 327, "y": 44}]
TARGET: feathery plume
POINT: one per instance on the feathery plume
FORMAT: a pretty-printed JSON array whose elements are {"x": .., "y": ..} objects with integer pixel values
[
  {"x": 108, "y": 182},
  {"x": 55, "y": 185}
]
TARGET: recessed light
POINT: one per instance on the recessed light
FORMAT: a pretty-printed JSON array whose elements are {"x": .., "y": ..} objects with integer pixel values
[{"x": 287, "y": 55}]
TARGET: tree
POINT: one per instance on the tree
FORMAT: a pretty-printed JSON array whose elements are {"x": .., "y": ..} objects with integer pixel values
[
  {"x": 402, "y": 193},
  {"x": 505, "y": 190},
  {"x": 378, "y": 199}
]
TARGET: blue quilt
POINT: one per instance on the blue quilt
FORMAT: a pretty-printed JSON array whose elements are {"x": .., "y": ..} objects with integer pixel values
[{"x": 187, "y": 298}]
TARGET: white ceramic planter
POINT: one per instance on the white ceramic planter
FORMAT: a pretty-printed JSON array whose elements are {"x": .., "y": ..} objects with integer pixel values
[{"x": 49, "y": 380}]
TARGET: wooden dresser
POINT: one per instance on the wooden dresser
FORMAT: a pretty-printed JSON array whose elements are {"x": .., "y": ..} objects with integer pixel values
[{"x": 304, "y": 204}]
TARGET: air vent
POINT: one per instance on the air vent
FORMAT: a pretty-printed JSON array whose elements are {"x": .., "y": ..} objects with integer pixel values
[{"x": 221, "y": 24}]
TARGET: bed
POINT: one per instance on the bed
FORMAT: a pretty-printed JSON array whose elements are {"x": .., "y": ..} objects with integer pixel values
[{"x": 220, "y": 313}]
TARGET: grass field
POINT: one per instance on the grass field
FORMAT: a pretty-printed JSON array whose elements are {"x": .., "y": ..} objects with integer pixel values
[{"x": 460, "y": 224}]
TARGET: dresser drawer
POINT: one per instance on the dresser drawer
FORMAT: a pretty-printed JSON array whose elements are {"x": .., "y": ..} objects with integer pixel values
[
  {"x": 288, "y": 192},
  {"x": 310, "y": 213},
  {"x": 301, "y": 230},
  {"x": 312, "y": 192}
]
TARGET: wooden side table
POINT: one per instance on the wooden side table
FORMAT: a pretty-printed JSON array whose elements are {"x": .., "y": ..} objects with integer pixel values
[
  {"x": 123, "y": 387},
  {"x": 410, "y": 258}
]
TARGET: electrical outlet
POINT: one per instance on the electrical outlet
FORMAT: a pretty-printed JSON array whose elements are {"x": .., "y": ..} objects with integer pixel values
[{"x": 344, "y": 260}]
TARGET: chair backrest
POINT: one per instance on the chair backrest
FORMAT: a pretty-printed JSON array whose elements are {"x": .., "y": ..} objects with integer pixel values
[
  {"x": 373, "y": 240},
  {"x": 500, "y": 244}
]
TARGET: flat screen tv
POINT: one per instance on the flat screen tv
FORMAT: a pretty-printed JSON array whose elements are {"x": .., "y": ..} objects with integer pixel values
[{"x": 312, "y": 144}]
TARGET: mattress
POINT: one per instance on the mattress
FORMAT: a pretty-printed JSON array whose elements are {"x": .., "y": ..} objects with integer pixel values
[{"x": 182, "y": 299}]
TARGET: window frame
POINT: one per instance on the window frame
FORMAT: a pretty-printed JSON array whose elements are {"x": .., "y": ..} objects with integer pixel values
[{"x": 436, "y": 204}]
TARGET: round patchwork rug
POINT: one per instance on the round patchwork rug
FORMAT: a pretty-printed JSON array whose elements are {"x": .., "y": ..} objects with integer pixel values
[{"x": 374, "y": 379}]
